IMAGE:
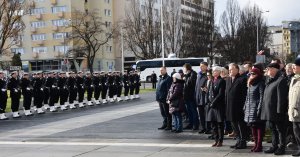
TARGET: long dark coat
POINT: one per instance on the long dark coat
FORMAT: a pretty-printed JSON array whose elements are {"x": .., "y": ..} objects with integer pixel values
[
  {"x": 199, "y": 94},
  {"x": 216, "y": 96},
  {"x": 275, "y": 102},
  {"x": 254, "y": 100},
  {"x": 163, "y": 86},
  {"x": 235, "y": 96}
]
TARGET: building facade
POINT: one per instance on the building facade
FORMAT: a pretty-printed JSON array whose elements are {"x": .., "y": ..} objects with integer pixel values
[{"x": 44, "y": 43}]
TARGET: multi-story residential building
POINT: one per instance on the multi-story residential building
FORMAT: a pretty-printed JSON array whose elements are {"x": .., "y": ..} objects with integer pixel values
[
  {"x": 291, "y": 37},
  {"x": 276, "y": 45},
  {"x": 44, "y": 42}
]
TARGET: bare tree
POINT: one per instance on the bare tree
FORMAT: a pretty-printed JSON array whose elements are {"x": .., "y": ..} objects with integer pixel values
[
  {"x": 89, "y": 34},
  {"x": 173, "y": 29},
  {"x": 11, "y": 23},
  {"x": 142, "y": 29},
  {"x": 229, "y": 23}
]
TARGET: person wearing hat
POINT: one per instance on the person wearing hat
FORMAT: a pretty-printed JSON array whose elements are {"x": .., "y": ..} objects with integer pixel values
[
  {"x": 15, "y": 93},
  {"x": 27, "y": 93},
  {"x": 137, "y": 84},
  {"x": 274, "y": 108},
  {"x": 216, "y": 107},
  {"x": 131, "y": 84},
  {"x": 111, "y": 86},
  {"x": 97, "y": 87},
  {"x": 175, "y": 101},
  {"x": 63, "y": 91},
  {"x": 103, "y": 84},
  {"x": 51, "y": 84},
  {"x": 89, "y": 87},
  {"x": 294, "y": 104},
  {"x": 126, "y": 85},
  {"x": 71, "y": 83},
  {"x": 80, "y": 88},
  {"x": 253, "y": 105},
  {"x": 3, "y": 96},
  {"x": 119, "y": 85},
  {"x": 46, "y": 90},
  {"x": 38, "y": 92}
]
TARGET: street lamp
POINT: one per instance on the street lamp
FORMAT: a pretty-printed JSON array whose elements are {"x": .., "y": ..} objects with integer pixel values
[
  {"x": 257, "y": 35},
  {"x": 66, "y": 24},
  {"x": 122, "y": 49},
  {"x": 162, "y": 33}
]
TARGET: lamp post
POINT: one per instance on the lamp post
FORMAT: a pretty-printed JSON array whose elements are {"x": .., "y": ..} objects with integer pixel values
[
  {"x": 162, "y": 33},
  {"x": 257, "y": 28},
  {"x": 122, "y": 49}
]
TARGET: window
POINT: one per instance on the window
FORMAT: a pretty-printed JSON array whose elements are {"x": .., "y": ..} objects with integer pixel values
[
  {"x": 38, "y": 24},
  {"x": 58, "y": 9},
  {"x": 17, "y": 50},
  {"x": 108, "y": 48},
  {"x": 60, "y": 35},
  {"x": 107, "y": 12},
  {"x": 36, "y": 37},
  {"x": 39, "y": 49},
  {"x": 61, "y": 48},
  {"x": 60, "y": 22},
  {"x": 107, "y": 24},
  {"x": 37, "y": 11},
  {"x": 107, "y": 1}
]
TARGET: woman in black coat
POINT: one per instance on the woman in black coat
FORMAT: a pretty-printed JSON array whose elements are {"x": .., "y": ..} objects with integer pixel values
[
  {"x": 252, "y": 108},
  {"x": 216, "y": 110},
  {"x": 175, "y": 101}
]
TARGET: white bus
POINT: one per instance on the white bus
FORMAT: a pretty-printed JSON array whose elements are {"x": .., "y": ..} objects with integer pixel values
[{"x": 146, "y": 67}]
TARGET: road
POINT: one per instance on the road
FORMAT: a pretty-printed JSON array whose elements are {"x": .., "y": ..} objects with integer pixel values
[{"x": 126, "y": 129}]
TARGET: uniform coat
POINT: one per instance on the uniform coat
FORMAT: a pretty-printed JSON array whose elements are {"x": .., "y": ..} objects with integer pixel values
[
  {"x": 275, "y": 102},
  {"x": 235, "y": 96}
]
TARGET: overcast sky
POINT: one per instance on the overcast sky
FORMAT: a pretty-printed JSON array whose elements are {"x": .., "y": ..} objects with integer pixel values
[{"x": 279, "y": 9}]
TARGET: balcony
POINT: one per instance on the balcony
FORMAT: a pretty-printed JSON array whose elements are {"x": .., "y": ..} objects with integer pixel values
[
  {"x": 55, "y": 28},
  {"x": 53, "y": 2},
  {"x": 57, "y": 54},
  {"x": 33, "y": 30},
  {"x": 61, "y": 14},
  {"x": 38, "y": 16},
  {"x": 40, "y": 42}
]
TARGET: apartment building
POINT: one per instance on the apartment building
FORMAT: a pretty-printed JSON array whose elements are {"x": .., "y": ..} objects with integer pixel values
[{"x": 44, "y": 43}]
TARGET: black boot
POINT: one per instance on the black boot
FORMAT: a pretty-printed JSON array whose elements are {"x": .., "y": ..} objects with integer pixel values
[
  {"x": 280, "y": 151},
  {"x": 162, "y": 127},
  {"x": 241, "y": 145},
  {"x": 296, "y": 154},
  {"x": 271, "y": 150},
  {"x": 234, "y": 146}
]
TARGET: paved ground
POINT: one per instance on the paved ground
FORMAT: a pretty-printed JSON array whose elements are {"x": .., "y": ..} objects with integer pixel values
[{"x": 120, "y": 129}]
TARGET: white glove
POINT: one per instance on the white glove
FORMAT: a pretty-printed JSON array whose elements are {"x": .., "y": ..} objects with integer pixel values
[
  {"x": 42, "y": 89},
  {"x": 16, "y": 90},
  {"x": 92, "y": 85},
  {"x": 27, "y": 88},
  {"x": 3, "y": 90},
  {"x": 53, "y": 86}
]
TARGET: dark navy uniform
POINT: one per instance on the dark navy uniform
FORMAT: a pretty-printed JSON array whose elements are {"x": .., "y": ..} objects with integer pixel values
[
  {"x": 27, "y": 92},
  {"x": 15, "y": 94},
  {"x": 3, "y": 95}
]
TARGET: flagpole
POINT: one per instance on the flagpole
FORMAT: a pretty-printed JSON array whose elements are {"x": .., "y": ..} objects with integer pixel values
[{"x": 162, "y": 33}]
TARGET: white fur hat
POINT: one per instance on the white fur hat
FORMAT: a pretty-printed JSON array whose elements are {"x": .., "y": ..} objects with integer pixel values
[
  {"x": 177, "y": 76},
  {"x": 217, "y": 68}
]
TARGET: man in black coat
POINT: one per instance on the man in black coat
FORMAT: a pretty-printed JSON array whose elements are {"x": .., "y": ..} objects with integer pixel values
[
  {"x": 275, "y": 108},
  {"x": 200, "y": 94},
  {"x": 235, "y": 96},
  {"x": 27, "y": 93},
  {"x": 153, "y": 80},
  {"x": 126, "y": 85},
  {"x": 190, "y": 78},
  {"x": 164, "y": 83},
  {"x": 63, "y": 91},
  {"x": 53, "y": 91},
  {"x": 38, "y": 92},
  {"x": 3, "y": 96},
  {"x": 15, "y": 93},
  {"x": 80, "y": 87}
]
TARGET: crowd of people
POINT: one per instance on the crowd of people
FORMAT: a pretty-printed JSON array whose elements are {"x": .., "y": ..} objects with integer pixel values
[
  {"x": 239, "y": 100},
  {"x": 52, "y": 90}
]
